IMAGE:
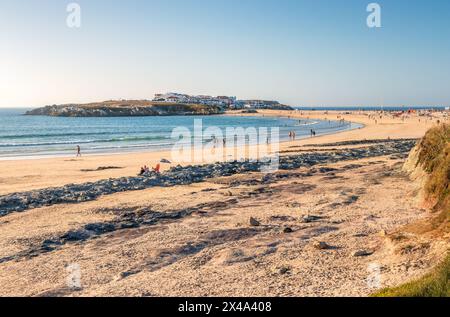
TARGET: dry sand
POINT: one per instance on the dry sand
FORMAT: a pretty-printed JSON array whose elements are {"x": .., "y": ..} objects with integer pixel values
[{"x": 361, "y": 205}]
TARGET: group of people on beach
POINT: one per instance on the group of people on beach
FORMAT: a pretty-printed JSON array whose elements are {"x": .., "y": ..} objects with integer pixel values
[
  {"x": 146, "y": 170},
  {"x": 292, "y": 135}
]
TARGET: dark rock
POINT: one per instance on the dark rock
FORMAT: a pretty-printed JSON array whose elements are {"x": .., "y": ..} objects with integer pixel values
[
  {"x": 320, "y": 245},
  {"x": 46, "y": 248},
  {"x": 254, "y": 222},
  {"x": 51, "y": 242},
  {"x": 360, "y": 253},
  {"x": 129, "y": 225},
  {"x": 76, "y": 235},
  {"x": 100, "y": 228},
  {"x": 310, "y": 218}
]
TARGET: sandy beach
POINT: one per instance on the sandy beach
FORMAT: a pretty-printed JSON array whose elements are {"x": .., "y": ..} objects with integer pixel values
[
  {"x": 328, "y": 229},
  {"x": 23, "y": 175}
]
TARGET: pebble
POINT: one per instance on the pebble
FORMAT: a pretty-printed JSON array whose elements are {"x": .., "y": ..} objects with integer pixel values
[
  {"x": 76, "y": 235},
  {"x": 360, "y": 253},
  {"x": 254, "y": 222},
  {"x": 320, "y": 245},
  {"x": 99, "y": 228},
  {"x": 310, "y": 218}
]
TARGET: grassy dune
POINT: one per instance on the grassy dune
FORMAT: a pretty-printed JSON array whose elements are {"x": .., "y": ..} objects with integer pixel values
[{"x": 434, "y": 159}]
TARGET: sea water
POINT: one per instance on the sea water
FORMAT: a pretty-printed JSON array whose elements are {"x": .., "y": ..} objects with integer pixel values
[{"x": 40, "y": 136}]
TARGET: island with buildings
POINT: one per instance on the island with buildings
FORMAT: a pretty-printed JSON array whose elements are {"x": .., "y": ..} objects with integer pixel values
[{"x": 168, "y": 104}]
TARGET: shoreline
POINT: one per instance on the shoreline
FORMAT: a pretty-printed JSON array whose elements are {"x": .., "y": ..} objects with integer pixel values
[
  {"x": 146, "y": 151},
  {"x": 307, "y": 114},
  {"x": 128, "y": 150},
  {"x": 22, "y": 175}
]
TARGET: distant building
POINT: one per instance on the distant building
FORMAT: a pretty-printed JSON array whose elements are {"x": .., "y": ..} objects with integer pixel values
[
  {"x": 260, "y": 104},
  {"x": 226, "y": 102},
  {"x": 221, "y": 101}
]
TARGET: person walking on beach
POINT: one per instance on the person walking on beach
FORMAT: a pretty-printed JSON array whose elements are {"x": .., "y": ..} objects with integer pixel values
[{"x": 78, "y": 151}]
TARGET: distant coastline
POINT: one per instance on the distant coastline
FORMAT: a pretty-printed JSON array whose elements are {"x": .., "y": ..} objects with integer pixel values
[
  {"x": 42, "y": 110},
  {"x": 170, "y": 104}
]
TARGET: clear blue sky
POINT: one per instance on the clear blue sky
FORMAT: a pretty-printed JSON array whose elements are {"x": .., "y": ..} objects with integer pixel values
[{"x": 301, "y": 52}]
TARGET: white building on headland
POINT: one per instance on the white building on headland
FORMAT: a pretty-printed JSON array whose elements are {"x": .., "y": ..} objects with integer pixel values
[
  {"x": 221, "y": 101},
  {"x": 226, "y": 102}
]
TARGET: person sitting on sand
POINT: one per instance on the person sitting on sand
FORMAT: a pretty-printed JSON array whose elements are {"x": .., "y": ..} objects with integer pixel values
[
  {"x": 146, "y": 169},
  {"x": 142, "y": 172},
  {"x": 157, "y": 168}
]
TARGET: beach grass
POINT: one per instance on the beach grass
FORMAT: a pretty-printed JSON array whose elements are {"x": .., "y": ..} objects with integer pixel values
[{"x": 434, "y": 284}]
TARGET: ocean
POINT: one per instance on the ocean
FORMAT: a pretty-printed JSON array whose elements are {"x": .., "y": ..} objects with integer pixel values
[{"x": 40, "y": 136}]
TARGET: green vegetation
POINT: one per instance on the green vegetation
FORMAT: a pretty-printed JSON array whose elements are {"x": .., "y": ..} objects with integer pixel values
[{"x": 435, "y": 284}]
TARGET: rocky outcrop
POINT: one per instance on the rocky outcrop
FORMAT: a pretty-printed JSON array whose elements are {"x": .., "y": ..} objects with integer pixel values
[{"x": 125, "y": 109}]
